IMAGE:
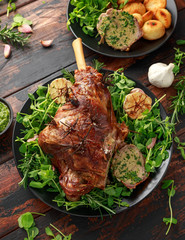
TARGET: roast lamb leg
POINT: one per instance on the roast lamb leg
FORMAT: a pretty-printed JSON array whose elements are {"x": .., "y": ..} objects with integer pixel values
[{"x": 84, "y": 133}]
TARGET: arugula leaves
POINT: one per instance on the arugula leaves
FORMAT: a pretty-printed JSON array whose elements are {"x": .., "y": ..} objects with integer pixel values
[
  {"x": 87, "y": 12},
  {"x": 171, "y": 193}
]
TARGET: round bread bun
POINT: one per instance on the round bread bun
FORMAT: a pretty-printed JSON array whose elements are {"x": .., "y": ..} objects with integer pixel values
[
  {"x": 153, "y": 5},
  {"x": 139, "y": 19},
  {"x": 147, "y": 16},
  {"x": 164, "y": 16},
  {"x": 153, "y": 29},
  {"x": 135, "y": 7}
]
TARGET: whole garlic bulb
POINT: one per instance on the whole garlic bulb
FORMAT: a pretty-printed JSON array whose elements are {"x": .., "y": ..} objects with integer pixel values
[{"x": 161, "y": 75}]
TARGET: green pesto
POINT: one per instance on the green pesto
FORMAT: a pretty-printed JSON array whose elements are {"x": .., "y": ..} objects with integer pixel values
[{"x": 4, "y": 116}]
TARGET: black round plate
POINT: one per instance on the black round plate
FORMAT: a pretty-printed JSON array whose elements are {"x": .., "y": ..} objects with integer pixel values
[
  {"x": 139, "y": 48},
  {"x": 139, "y": 193}
]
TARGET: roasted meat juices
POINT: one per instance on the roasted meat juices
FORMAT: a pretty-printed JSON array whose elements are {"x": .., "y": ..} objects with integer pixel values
[{"x": 83, "y": 135}]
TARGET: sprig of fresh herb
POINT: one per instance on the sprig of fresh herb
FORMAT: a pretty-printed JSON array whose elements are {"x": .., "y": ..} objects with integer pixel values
[
  {"x": 59, "y": 236},
  {"x": 97, "y": 65},
  {"x": 87, "y": 12},
  {"x": 178, "y": 101},
  {"x": 68, "y": 75},
  {"x": 171, "y": 193},
  {"x": 180, "y": 146},
  {"x": 10, "y": 7},
  {"x": 8, "y": 35},
  {"x": 179, "y": 56}
]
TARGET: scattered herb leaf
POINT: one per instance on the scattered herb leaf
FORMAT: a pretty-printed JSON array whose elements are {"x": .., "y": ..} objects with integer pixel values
[
  {"x": 180, "y": 42},
  {"x": 178, "y": 101},
  {"x": 59, "y": 236},
  {"x": 180, "y": 146},
  {"x": 179, "y": 56},
  {"x": 171, "y": 193},
  {"x": 10, "y": 7},
  {"x": 27, "y": 222}
]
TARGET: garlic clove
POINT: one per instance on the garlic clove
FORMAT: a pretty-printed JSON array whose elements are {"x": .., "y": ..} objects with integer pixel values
[
  {"x": 46, "y": 43},
  {"x": 161, "y": 75},
  {"x": 7, "y": 51},
  {"x": 25, "y": 28}
]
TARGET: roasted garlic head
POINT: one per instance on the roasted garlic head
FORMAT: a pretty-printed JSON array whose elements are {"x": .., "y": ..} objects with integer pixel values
[{"x": 136, "y": 102}]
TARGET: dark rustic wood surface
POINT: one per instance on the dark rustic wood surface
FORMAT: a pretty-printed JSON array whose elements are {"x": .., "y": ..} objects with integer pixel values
[{"x": 28, "y": 68}]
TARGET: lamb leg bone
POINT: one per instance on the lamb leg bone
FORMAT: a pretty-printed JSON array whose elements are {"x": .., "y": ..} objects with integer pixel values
[{"x": 79, "y": 54}]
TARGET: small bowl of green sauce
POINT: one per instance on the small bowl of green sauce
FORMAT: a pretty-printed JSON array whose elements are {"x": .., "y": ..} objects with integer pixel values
[{"x": 6, "y": 116}]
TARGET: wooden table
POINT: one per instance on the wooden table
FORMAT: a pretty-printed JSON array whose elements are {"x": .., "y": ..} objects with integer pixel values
[{"x": 35, "y": 65}]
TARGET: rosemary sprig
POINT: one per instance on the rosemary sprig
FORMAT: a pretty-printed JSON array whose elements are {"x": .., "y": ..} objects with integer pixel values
[
  {"x": 178, "y": 101},
  {"x": 97, "y": 65},
  {"x": 13, "y": 37}
]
